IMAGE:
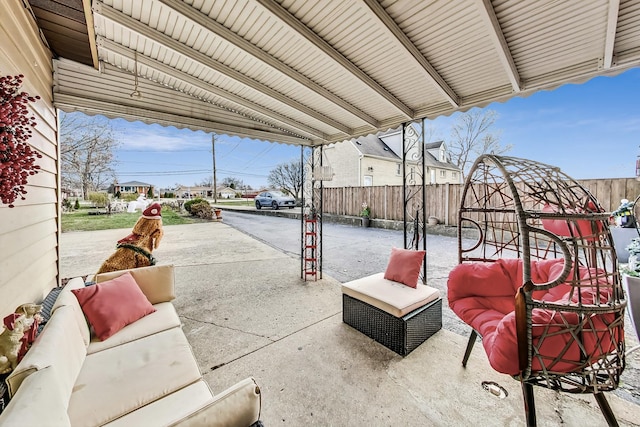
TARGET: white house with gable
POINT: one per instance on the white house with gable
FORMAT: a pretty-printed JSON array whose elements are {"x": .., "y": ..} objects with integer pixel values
[{"x": 377, "y": 160}]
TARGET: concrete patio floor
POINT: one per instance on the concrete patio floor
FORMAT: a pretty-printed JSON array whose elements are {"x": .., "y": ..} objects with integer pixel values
[{"x": 246, "y": 312}]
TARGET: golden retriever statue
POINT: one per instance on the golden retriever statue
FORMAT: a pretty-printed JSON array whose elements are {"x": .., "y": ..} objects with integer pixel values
[
  {"x": 135, "y": 250},
  {"x": 20, "y": 331}
]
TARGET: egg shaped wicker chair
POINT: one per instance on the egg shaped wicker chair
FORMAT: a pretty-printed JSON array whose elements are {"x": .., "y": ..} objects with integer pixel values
[{"x": 537, "y": 278}]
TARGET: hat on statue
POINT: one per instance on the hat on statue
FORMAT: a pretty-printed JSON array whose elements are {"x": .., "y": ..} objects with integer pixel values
[{"x": 154, "y": 211}]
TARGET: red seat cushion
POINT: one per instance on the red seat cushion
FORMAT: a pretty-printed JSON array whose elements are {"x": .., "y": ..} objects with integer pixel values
[{"x": 483, "y": 296}]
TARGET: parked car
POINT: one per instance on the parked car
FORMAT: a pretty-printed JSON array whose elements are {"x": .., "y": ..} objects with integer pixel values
[{"x": 275, "y": 200}]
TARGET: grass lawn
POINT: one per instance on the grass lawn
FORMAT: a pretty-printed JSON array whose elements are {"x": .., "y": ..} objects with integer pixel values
[{"x": 82, "y": 221}]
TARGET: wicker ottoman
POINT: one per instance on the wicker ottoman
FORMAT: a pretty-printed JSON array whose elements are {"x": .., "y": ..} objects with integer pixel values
[{"x": 397, "y": 316}]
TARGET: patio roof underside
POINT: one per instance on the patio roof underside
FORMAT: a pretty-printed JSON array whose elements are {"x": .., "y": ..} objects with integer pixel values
[{"x": 306, "y": 72}]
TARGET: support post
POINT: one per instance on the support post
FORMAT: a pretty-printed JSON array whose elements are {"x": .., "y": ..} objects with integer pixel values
[
  {"x": 312, "y": 205},
  {"x": 413, "y": 189}
]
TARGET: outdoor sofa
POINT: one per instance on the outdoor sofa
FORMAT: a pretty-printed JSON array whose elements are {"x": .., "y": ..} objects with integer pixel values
[{"x": 143, "y": 374}]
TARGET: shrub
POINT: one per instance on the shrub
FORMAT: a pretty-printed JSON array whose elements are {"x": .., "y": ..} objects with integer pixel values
[
  {"x": 190, "y": 203},
  {"x": 150, "y": 193},
  {"x": 130, "y": 197},
  {"x": 76, "y": 205},
  {"x": 118, "y": 194},
  {"x": 202, "y": 210},
  {"x": 100, "y": 200}
]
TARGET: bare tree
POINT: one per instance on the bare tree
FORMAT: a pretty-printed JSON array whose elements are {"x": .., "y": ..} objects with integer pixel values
[
  {"x": 287, "y": 176},
  {"x": 206, "y": 182},
  {"x": 472, "y": 136},
  {"x": 87, "y": 147},
  {"x": 232, "y": 182}
]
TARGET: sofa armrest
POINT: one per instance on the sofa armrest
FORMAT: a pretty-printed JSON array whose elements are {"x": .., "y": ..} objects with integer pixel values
[
  {"x": 157, "y": 282},
  {"x": 238, "y": 405}
]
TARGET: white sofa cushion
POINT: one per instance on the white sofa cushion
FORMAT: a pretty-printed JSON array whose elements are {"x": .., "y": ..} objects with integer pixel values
[
  {"x": 60, "y": 344},
  {"x": 169, "y": 409},
  {"x": 119, "y": 380},
  {"x": 40, "y": 393},
  {"x": 392, "y": 297},
  {"x": 156, "y": 282},
  {"x": 165, "y": 317},
  {"x": 67, "y": 299},
  {"x": 237, "y": 406}
]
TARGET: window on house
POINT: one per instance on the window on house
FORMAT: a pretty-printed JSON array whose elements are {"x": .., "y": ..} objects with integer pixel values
[
  {"x": 443, "y": 174},
  {"x": 454, "y": 175},
  {"x": 399, "y": 169},
  {"x": 368, "y": 181}
]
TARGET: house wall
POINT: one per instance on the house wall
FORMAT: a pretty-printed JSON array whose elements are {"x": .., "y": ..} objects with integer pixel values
[
  {"x": 29, "y": 231},
  {"x": 343, "y": 159},
  {"x": 449, "y": 177},
  {"x": 385, "y": 172}
]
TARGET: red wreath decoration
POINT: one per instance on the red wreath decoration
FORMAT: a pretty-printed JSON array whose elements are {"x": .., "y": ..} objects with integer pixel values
[{"x": 17, "y": 158}]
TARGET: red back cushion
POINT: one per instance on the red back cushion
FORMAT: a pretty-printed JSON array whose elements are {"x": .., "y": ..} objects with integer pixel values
[
  {"x": 404, "y": 266},
  {"x": 110, "y": 306}
]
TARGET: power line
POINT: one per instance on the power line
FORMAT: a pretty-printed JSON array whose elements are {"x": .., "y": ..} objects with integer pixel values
[
  {"x": 149, "y": 151},
  {"x": 164, "y": 173},
  {"x": 189, "y": 172}
]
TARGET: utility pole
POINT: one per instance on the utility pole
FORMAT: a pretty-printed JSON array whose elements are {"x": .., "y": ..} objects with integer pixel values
[{"x": 213, "y": 153}]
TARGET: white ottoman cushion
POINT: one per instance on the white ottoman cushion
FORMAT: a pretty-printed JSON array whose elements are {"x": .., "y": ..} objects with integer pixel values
[{"x": 394, "y": 298}]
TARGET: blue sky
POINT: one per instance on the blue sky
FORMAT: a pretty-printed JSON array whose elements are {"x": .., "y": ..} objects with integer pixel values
[{"x": 589, "y": 130}]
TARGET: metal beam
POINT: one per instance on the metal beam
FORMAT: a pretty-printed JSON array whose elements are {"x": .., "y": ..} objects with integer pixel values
[
  {"x": 68, "y": 103},
  {"x": 167, "y": 42},
  {"x": 610, "y": 36},
  {"x": 488, "y": 15},
  {"x": 284, "y": 15},
  {"x": 432, "y": 75},
  {"x": 91, "y": 32},
  {"x": 223, "y": 32},
  {"x": 281, "y": 120}
]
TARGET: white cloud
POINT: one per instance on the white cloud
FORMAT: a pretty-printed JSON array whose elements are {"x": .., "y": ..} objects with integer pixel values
[{"x": 138, "y": 136}]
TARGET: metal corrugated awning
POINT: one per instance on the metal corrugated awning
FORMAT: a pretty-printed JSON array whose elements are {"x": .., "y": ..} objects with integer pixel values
[{"x": 302, "y": 72}]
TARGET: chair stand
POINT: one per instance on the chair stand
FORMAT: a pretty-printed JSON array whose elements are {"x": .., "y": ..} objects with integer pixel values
[
  {"x": 606, "y": 409},
  {"x": 529, "y": 404},
  {"x": 467, "y": 353}
]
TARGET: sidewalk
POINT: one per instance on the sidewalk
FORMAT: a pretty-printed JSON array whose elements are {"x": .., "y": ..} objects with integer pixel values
[{"x": 246, "y": 313}]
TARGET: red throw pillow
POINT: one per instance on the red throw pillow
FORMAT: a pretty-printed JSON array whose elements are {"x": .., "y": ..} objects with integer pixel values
[
  {"x": 110, "y": 306},
  {"x": 404, "y": 266}
]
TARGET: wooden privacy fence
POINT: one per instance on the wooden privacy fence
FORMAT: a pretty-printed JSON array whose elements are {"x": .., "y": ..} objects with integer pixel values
[{"x": 443, "y": 200}]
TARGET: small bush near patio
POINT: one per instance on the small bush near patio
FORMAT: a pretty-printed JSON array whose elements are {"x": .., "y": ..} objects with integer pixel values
[
  {"x": 188, "y": 204},
  {"x": 82, "y": 221},
  {"x": 202, "y": 210},
  {"x": 99, "y": 200}
]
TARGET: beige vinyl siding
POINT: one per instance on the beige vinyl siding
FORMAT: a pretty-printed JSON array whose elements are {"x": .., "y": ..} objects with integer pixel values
[
  {"x": 344, "y": 160},
  {"x": 29, "y": 231},
  {"x": 384, "y": 171}
]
